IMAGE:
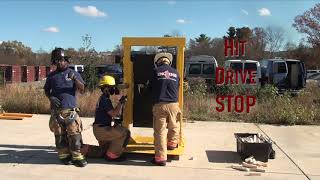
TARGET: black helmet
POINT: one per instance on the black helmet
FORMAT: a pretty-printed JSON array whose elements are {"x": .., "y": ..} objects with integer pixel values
[{"x": 58, "y": 54}]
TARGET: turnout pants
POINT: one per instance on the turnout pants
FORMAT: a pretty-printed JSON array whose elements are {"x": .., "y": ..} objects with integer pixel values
[
  {"x": 67, "y": 126},
  {"x": 112, "y": 141},
  {"x": 165, "y": 115}
]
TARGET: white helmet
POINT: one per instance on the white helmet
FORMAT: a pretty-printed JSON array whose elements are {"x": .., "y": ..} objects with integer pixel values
[{"x": 164, "y": 56}]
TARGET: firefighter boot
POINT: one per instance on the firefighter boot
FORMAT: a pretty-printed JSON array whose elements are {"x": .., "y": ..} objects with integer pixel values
[
  {"x": 158, "y": 163},
  {"x": 67, "y": 160},
  {"x": 80, "y": 162}
]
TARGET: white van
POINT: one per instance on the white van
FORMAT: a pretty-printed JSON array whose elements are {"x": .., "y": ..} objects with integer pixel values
[
  {"x": 78, "y": 68},
  {"x": 201, "y": 66},
  {"x": 242, "y": 65}
]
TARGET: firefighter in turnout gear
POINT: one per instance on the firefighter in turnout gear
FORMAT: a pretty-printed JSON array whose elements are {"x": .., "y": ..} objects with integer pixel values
[
  {"x": 111, "y": 136},
  {"x": 166, "y": 111},
  {"x": 60, "y": 88}
]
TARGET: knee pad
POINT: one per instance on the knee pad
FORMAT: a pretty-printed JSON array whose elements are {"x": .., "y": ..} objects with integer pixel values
[
  {"x": 75, "y": 142},
  {"x": 61, "y": 141}
]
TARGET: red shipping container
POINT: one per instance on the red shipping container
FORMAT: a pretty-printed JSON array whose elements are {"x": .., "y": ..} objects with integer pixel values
[
  {"x": 30, "y": 73},
  {"x": 42, "y": 73},
  {"x": 24, "y": 74},
  {"x": 16, "y": 74},
  {"x": 50, "y": 69},
  {"x": 3, "y": 68},
  {"x": 8, "y": 73}
]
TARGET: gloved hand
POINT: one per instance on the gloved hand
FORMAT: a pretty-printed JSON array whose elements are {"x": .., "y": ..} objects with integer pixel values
[
  {"x": 123, "y": 99},
  {"x": 72, "y": 76},
  {"x": 55, "y": 102}
]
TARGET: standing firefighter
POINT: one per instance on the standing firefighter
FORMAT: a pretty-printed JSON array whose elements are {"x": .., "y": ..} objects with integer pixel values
[
  {"x": 166, "y": 111},
  {"x": 111, "y": 136},
  {"x": 60, "y": 87}
]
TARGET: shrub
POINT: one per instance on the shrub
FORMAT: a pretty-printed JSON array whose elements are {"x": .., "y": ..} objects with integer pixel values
[
  {"x": 30, "y": 99},
  {"x": 195, "y": 86},
  {"x": 271, "y": 107}
]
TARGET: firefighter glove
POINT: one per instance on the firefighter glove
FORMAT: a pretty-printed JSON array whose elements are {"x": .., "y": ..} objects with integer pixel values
[
  {"x": 55, "y": 102},
  {"x": 72, "y": 76}
]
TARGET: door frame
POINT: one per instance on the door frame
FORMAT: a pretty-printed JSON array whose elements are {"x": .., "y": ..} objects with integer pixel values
[{"x": 127, "y": 43}]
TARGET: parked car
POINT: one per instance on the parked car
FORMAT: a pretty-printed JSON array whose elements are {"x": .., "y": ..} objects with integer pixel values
[
  {"x": 285, "y": 74},
  {"x": 312, "y": 73},
  {"x": 201, "y": 66},
  {"x": 114, "y": 70},
  {"x": 245, "y": 65},
  {"x": 313, "y": 76}
]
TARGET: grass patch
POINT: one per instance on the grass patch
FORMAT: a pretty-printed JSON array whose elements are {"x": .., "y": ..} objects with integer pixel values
[{"x": 198, "y": 104}]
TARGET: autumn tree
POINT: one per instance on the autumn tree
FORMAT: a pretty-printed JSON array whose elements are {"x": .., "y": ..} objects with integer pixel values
[
  {"x": 42, "y": 57},
  {"x": 244, "y": 33},
  {"x": 217, "y": 50},
  {"x": 257, "y": 43},
  {"x": 15, "y": 52},
  {"x": 309, "y": 23}
]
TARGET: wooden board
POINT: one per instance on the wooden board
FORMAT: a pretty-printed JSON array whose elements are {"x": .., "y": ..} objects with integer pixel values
[
  {"x": 17, "y": 114},
  {"x": 11, "y": 117}
]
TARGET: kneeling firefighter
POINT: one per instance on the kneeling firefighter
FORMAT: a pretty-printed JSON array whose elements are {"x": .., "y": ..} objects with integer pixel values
[
  {"x": 60, "y": 88},
  {"x": 111, "y": 136}
]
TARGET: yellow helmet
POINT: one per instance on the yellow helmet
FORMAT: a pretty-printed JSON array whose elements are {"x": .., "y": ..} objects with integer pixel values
[{"x": 107, "y": 81}]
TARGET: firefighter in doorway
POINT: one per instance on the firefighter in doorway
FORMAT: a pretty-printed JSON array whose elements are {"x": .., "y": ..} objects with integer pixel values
[{"x": 166, "y": 111}]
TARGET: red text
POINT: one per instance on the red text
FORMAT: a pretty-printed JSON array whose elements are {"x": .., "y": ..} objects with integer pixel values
[{"x": 238, "y": 103}]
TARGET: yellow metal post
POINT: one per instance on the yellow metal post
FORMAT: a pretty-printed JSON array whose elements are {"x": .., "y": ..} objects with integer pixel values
[{"x": 128, "y": 78}]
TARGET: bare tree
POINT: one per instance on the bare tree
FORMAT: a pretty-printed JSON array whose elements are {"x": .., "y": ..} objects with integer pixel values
[
  {"x": 118, "y": 50},
  {"x": 171, "y": 49},
  {"x": 42, "y": 57},
  {"x": 289, "y": 49},
  {"x": 274, "y": 39},
  {"x": 175, "y": 33},
  {"x": 89, "y": 59}
]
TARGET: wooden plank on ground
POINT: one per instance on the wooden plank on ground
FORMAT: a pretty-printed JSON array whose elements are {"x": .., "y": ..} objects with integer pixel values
[
  {"x": 18, "y": 115},
  {"x": 11, "y": 117}
]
